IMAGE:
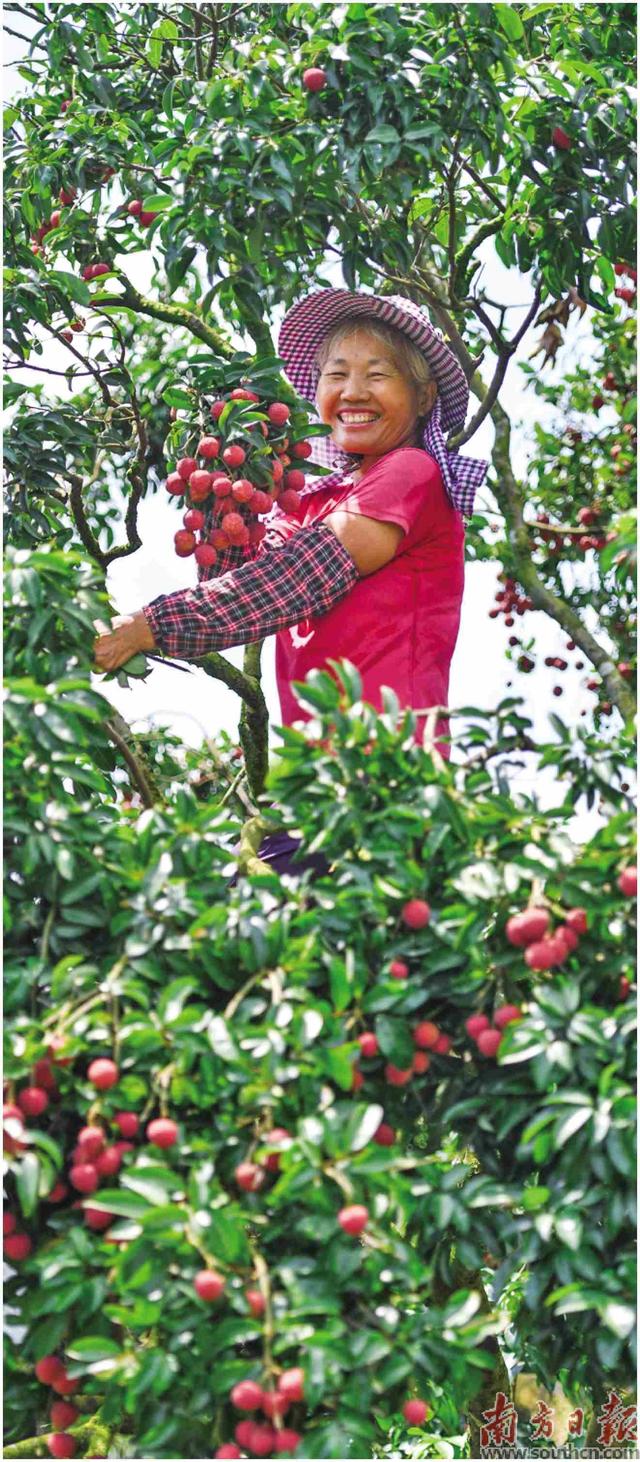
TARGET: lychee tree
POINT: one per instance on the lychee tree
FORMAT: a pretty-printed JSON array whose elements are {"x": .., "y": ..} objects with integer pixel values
[{"x": 377, "y": 1128}]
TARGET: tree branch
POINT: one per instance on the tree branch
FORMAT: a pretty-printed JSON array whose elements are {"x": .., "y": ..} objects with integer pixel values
[
  {"x": 141, "y": 775},
  {"x": 508, "y": 350},
  {"x": 173, "y": 314}
]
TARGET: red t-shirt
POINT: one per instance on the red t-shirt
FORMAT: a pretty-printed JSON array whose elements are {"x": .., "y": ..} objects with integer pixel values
[{"x": 399, "y": 625}]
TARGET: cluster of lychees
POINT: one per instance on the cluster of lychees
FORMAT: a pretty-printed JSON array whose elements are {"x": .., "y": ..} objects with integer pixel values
[
  {"x": 223, "y": 505},
  {"x": 260, "y": 1439}
]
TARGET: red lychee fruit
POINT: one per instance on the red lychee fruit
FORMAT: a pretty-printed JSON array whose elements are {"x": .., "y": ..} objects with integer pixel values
[
  {"x": 127, "y": 1123},
  {"x": 249, "y": 1177},
  {"x": 426, "y": 1035},
  {"x": 33, "y": 1101},
  {"x": 17, "y": 1247},
  {"x": 627, "y": 883},
  {"x": 256, "y": 1302},
  {"x": 385, "y": 1135},
  {"x": 416, "y": 913},
  {"x": 527, "y": 927},
  {"x": 247, "y": 1396},
  {"x": 234, "y": 455},
  {"x": 560, "y": 139},
  {"x": 488, "y": 1042},
  {"x": 505, "y": 1014},
  {"x": 475, "y": 1024},
  {"x": 314, "y": 78},
  {"x": 103, "y": 1074},
  {"x": 415, "y": 1412},
  {"x": 291, "y": 1384},
  {"x": 208, "y": 1284},
  {"x": 84, "y": 1177},
  {"x": 185, "y": 543},
  {"x": 395, "y": 1077},
  {"x": 162, "y": 1132}
]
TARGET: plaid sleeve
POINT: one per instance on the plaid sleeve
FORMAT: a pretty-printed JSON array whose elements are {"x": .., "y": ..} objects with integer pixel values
[{"x": 303, "y": 578}]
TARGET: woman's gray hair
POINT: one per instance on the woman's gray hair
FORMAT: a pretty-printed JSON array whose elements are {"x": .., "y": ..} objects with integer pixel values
[{"x": 410, "y": 361}]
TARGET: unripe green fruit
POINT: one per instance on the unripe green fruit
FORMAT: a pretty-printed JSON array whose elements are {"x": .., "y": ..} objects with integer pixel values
[{"x": 354, "y": 1218}]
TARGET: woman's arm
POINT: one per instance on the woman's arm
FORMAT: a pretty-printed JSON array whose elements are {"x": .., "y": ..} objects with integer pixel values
[{"x": 303, "y": 578}]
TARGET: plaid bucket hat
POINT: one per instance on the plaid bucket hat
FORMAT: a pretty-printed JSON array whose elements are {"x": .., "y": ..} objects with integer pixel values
[{"x": 304, "y": 328}]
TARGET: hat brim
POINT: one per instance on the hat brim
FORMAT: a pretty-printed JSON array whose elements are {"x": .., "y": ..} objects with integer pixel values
[{"x": 308, "y": 321}]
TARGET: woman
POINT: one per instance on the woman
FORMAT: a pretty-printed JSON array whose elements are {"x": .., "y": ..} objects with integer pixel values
[{"x": 371, "y": 566}]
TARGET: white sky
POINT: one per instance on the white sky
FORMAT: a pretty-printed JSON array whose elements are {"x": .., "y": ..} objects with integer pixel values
[{"x": 194, "y": 705}]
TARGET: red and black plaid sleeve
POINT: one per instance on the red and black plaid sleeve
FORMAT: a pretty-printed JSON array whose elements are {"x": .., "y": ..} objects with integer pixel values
[{"x": 303, "y": 578}]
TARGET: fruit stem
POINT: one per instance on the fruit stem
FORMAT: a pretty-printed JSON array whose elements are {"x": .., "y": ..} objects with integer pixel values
[{"x": 265, "y": 1290}]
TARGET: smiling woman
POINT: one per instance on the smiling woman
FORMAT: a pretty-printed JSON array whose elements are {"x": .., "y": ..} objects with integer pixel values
[{"x": 370, "y": 565}]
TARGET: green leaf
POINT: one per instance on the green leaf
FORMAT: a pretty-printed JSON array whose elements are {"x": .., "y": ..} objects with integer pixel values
[
  {"x": 27, "y": 1181},
  {"x": 71, "y": 285},
  {"x": 510, "y": 21},
  {"x": 395, "y": 1041},
  {"x": 93, "y": 1347},
  {"x": 114, "y": 1200},
  {"x": 158, "y": 202},
  {"x": 383, "y": 133}
]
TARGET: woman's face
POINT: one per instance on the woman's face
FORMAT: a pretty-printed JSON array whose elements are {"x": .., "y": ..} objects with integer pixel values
[{"x": 360, "y": 379}]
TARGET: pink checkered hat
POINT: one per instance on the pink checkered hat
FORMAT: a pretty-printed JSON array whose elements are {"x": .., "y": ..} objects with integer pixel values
[{"x": 304, "y": 328}]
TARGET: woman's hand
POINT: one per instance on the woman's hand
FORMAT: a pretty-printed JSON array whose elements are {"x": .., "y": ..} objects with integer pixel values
[{"x": 129, "y": 634}]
